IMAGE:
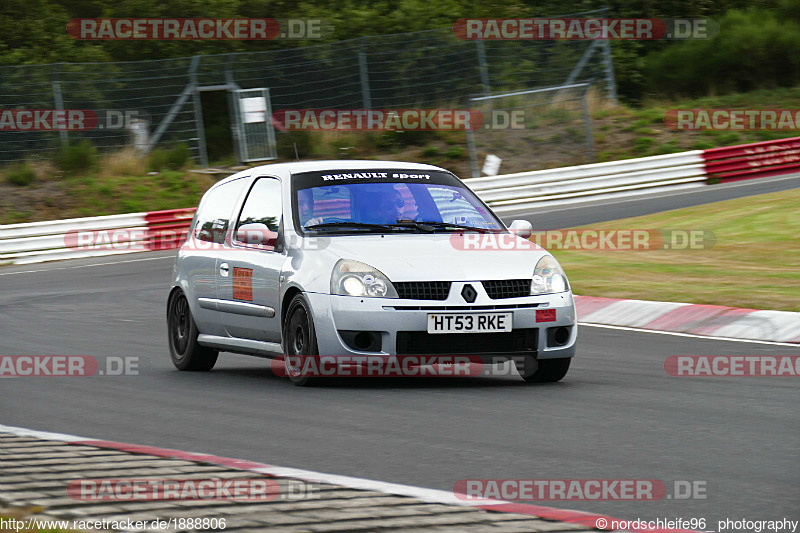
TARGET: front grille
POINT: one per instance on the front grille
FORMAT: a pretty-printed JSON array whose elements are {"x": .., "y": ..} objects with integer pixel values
[
  {"x": 424, "y": 343},
  {"x": 507, "y": 288},
  {"x": 423, "y": 290}
]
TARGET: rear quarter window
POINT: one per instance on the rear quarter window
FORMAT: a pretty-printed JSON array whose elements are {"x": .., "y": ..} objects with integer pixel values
[{"x": 216, "y": 209}]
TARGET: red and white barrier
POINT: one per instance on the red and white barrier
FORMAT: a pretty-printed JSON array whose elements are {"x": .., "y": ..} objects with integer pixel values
[
  {"x": 93, "y": 236},
  {"x": 757, "y": 160}
]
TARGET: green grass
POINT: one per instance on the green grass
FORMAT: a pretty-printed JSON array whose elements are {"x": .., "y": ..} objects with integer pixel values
[
  {"x": 638, "y": 124},
  {"x": 754, "y": 263},
  {"x": 171, "y": 189},
  {"x": 20, "y": 175},
  {"x": 95, "y": 195}
]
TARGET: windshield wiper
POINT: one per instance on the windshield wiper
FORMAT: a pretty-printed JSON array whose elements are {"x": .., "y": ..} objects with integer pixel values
[
  {"x": 431, "y": 226},
  {"x": 354, "y": 225}
]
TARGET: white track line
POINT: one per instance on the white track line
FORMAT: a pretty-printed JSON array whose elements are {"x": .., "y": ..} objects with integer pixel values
[
  {"x": 172, "y": 256},
  {"x": 421, "y": 493},
  {"x": 679, "y": 334},
  {"x": 24, "y": 432}
]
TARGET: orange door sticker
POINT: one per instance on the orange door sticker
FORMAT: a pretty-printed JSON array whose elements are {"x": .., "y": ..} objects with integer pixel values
[{"x": 243, "y": 284}]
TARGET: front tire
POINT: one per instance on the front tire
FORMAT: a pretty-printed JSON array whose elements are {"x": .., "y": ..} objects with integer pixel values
[
  {"x": 184, "y": 350},
  {"x": 549, "y": 370},
  {"x": 300, "y": 342}
]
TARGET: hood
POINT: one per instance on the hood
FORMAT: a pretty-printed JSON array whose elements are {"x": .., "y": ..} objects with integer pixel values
[{"x": 441, "y": 257}]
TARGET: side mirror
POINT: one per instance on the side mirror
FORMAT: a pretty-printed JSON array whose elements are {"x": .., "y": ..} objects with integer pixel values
[
  {"x": 521, "y": 228},
  {"x": 257, "y": 234}
]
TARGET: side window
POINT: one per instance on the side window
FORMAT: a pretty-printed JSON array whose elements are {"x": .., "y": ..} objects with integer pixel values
[
  {"x": 213, "y": 216},
  {"x": 262, "y": 206}
]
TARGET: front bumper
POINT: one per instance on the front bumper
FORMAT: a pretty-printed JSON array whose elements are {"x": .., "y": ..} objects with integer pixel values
[{"x": 389, "y": 316}]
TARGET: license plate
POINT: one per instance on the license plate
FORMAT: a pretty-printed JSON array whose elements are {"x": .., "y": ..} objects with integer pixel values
[{"x": 469, "y": 322}]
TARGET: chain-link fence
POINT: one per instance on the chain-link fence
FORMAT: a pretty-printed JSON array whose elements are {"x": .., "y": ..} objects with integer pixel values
[
  {"x": 533, "y": 129},
  {"x": 428, "y": 69}
]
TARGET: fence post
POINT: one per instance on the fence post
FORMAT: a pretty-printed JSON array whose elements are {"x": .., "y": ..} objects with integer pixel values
[
  {"x": 578, "y": 68},
  {"x": 472, "y": 149},
  {"x": 608, "y": 67},
  {"x": 484, "y": 68},
  {"x": 198, "y": 112},
  {"x": 58, "y": 101},
  {"x": 229, "y": 80},
  {"x": 233, "y": 110},
  {"x": 362, "y": 68},
  {"x": 587, "y": 124}
]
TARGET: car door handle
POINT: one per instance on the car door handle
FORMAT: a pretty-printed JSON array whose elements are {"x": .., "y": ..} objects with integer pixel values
[{"x": 223, "y": 270}]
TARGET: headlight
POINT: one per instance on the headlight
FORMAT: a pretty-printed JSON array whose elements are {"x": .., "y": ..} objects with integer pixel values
[
  {"x": 354, "y": 278},
  {"x": 548, "y": 277}
]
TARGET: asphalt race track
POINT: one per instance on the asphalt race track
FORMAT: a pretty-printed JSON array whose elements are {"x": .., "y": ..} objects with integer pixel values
[{"x": 617, "y": 415}]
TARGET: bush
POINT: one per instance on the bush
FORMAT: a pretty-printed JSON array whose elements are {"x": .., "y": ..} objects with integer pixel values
[
  {"x": 398, "y": 139},
  {"x": 667, "y": 148},
  {"x": 76, "y": 158},
  {"x": 286, "y": 141},
  {"x": 703, "y": 145},
  {"x": 20, "y": 175},
  {"x": 178, "y": 157},
  {"x": 430, "y": 151},
  {"x": 642, "y": 145},
  {"x": 754, "y": 49},
  {"x": 728, "y": 138},
  {"x": 157, "y": 160},
  {"x": 455, "y": 152},
  {"x": 173, "y": 159}
]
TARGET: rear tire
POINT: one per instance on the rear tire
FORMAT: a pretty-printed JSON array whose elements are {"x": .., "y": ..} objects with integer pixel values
[
  {"x": 184, "y": 350},
  {"x": 300, "y": 342},
  {"x": 549, "y": 370}
]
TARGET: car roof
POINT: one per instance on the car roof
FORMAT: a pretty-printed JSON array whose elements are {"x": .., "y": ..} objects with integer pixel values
[{"x": 286, "y": 170}]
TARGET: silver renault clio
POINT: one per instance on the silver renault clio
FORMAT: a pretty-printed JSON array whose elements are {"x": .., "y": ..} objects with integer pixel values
[{"x": 364, "y": 259}]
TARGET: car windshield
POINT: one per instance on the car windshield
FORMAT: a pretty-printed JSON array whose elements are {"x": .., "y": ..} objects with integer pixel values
[{"x": 390, "y": 201}]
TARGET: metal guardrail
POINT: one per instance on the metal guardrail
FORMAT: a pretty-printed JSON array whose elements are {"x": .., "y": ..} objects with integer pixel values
[
  {"x": 591, "y": 182},
  {"x": 162, "y": 230},
  {"x": 93, "y": 236}
]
